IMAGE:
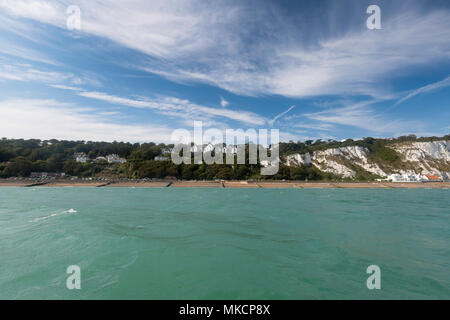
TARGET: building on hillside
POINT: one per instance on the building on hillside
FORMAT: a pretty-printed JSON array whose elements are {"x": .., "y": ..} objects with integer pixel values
[
  {"x": 161, "y": 158},
  {"x": 81, "y": 157},
  {"x": 115, "y": 158}
]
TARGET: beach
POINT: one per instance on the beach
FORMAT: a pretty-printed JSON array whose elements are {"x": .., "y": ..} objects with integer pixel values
[{"x": 221, "y": 184}]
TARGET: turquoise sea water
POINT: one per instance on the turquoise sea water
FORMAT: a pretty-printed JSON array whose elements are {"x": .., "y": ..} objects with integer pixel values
[{"x": 133, "y": 243}]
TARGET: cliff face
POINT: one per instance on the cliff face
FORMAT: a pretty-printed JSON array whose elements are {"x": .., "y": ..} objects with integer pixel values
[{"x": 416, "y": 157}]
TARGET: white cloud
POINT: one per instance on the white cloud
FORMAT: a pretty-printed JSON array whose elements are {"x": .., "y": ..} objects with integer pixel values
[
  {"x": 210, "y": 42},
  {"x": 28, "y": 73},
  {"x": 51, "y": 119},
  {"x": 361, "y": 115},
  {"x": 24, "y": 53},
  {"x": 48, "y": 119},
  {"x": 179, "y": 107},
  {"x": 426, "y": 89},
  {"x": 315, "y": 126},
  {"x": 39, "y": 10},
  {"x": 60, "y": 86},
  {"x": 9, "y": 76}
]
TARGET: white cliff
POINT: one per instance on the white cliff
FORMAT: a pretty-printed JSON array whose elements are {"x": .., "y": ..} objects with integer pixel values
[
  {"x": 429, "y": 158},
  {"x": 336, "y": 161},
  {"x": 299, "y": 159}
]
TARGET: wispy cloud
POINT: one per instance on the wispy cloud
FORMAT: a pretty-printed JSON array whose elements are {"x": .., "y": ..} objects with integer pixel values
[
  {"x": 34, "y": 9},
  {"x": 29, "y": 73},
  {"x": 179, "y": 107},
  {"x": 315, "y": 126},
  {"x": 48, "y": 119},
  {"x": 426, "y": 89},
  {"x": 361, "y": 115},
  {"x": 25, "y": 53},
  {"x": 60, "y": 86},
  {"x": 191, "y": 41}
]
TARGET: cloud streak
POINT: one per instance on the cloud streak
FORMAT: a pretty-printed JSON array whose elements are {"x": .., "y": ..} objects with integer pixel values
[
  {"x": 426, "y": 89},
  {"x": 271, "y": 122},
  {"x": 29, "y": 73}
]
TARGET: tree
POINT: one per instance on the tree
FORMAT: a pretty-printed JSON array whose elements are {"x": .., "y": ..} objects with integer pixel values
[
  {"x": 70, "y": 167},
  {"x": 172, "y": 171},
  {"x": 187, "y": 172},
  {"x": 19, "y": 167}
]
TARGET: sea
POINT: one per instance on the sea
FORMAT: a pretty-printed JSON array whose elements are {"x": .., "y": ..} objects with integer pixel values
[{"x": 208, "y": 243}]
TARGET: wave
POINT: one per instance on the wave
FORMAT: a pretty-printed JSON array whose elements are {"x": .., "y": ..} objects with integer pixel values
[{"x": 54, "y": 215}]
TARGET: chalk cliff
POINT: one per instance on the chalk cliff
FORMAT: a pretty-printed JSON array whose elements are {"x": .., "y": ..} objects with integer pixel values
[{"x": 429, "y": 158}]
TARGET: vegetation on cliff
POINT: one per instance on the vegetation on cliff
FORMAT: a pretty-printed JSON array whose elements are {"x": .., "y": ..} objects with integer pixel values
[{"x": 18, "y": 158}]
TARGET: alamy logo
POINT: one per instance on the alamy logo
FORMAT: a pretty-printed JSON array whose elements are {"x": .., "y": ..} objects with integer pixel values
[
  {"x": 374, "y": 281},
  {"x": 234, "y": 149},
  {"x": 74, "y": 20},
  {"x": 74, "y": 280},
  {"x": 374, "y": 21}
]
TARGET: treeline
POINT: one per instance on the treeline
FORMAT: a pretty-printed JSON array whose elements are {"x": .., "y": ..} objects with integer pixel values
[
  {"x": 164, "y": 169},
  {"x": 18, "y": 158}
]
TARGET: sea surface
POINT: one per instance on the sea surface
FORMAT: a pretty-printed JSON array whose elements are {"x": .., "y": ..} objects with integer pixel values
[{"x": 195, "y": 243}]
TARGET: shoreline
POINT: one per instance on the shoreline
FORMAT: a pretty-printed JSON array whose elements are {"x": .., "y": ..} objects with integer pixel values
[{"x": 223, "y": 184}]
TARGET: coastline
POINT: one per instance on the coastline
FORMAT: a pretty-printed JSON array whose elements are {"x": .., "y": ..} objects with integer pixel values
[{"x": 222, "y": 184}]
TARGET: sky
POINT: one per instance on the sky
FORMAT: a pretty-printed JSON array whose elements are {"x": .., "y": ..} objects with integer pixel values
[{"x": 137, "y": 70}]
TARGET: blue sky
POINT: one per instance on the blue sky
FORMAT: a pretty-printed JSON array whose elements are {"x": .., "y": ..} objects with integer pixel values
[{"x": 137, "y": 70}]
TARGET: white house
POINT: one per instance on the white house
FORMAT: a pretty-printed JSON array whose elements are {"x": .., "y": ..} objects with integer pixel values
[
  {"x": 81, "y": 157},
  {"x": 115, "y": 158},
  {"x": 161, "y": 158}
]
